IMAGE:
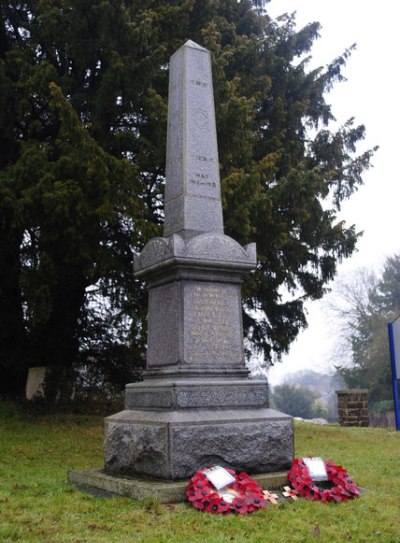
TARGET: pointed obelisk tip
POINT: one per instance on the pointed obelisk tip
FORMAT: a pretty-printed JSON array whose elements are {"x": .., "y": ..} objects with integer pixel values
[{"x": 194, "y": 45}]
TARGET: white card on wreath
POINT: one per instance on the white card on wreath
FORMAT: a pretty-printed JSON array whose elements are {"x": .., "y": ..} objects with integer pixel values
[
  {"x": 219, "y": 477},
  {"x": 316, "y": 468},
  {"x": 227, "y": 496}
]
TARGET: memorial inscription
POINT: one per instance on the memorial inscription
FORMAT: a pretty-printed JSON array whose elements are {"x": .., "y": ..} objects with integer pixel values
[
  {"x": 213, "y": 328},
  {"x": 202, "y": 176}
]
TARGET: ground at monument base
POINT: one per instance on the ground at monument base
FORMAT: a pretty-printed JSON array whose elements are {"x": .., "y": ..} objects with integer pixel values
[{"x": 98, "y": 482}]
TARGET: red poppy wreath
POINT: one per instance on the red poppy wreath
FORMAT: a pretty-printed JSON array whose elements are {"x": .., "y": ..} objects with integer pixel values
[
  {"x": 242, "y": 496},
  {"x": 342, "y": 486}
]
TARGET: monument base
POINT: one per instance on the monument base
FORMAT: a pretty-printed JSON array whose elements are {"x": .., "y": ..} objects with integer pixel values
[
  {"x": 98, "y": 482},
  {"x": 172, "y": 445}
]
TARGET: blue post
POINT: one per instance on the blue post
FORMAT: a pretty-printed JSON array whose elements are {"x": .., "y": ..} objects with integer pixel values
[{"x": 393, "y": 357}]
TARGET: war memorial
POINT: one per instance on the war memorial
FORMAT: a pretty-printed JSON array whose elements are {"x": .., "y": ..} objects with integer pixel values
[{"x": 196, "y": 405}]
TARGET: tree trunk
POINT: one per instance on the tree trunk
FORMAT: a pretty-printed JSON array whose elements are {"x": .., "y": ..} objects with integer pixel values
[
  {"x": 13, "y": 339},
  {"x": 56, "y": 342}
]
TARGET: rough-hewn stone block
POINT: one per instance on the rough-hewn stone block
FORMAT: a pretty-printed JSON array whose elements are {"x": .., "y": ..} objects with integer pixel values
[{"x": 173, "y": 445}]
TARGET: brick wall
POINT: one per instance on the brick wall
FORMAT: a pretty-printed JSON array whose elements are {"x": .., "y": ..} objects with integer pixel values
[{"x": 353, "y": 407}]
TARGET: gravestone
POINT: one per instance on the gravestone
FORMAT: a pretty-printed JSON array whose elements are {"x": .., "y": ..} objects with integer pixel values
[
  {"x": 35, "y": 382},
  {"x": 196, "y": 406}
]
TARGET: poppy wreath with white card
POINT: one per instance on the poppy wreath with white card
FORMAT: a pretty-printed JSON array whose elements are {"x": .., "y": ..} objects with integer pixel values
[
  {"x": 339, "y": 486},
  {"x": 241, "y": 495}
]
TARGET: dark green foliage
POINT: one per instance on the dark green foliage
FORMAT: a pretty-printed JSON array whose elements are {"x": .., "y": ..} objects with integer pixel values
[
  {"x": 83, "y": 105},
  {"x": 384, "y": 406},
  {"x": 296, "y": 400},
  {"x": 323, "y": 387}
]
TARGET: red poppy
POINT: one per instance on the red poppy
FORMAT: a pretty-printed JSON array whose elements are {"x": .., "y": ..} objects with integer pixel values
[
  {"x": 253, "y": 502},
  {"x": 224, "y": 507},
  {"x": 212, "y": 503},
  {"x": 240, "y": 506}
]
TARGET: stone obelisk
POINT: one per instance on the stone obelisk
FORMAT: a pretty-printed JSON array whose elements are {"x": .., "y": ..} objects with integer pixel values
[
  {"x": 196, "y": 406},
  {"x": 193, "y": 191}
]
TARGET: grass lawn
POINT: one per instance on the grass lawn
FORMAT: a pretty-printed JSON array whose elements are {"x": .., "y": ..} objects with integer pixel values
[{"x": 38, "y": 505}]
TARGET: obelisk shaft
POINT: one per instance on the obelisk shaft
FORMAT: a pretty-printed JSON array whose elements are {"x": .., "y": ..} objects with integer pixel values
[{"x": 193, "y": 192}]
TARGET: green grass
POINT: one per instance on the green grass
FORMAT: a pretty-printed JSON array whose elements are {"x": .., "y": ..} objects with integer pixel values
[{"x": 38, "y": 505}]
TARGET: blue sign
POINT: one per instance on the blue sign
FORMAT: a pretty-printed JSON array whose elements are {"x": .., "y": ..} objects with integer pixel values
[{"x": 394, "y": 341}]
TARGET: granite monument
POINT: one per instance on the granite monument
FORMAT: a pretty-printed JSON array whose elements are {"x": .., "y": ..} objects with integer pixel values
[{"x": 196, "y": 406}]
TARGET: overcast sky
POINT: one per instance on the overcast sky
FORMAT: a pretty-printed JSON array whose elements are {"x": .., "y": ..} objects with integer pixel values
[{"x": 371, "y": 95}]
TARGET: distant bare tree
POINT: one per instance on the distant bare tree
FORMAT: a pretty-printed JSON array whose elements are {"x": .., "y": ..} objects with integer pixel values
[
  {"x": 362, "y": 306},
  {"x": 348, "y": 303}
]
